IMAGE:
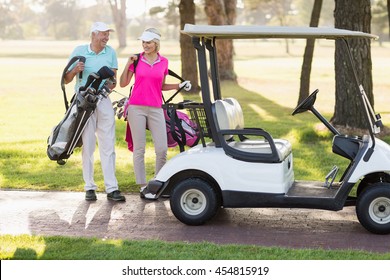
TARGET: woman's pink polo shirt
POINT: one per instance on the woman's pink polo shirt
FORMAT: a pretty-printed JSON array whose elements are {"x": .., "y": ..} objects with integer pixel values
[{"x": 148, "y": 82}]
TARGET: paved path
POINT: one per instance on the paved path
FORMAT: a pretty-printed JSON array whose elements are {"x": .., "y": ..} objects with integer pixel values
[{"x": 68, "y": 214}]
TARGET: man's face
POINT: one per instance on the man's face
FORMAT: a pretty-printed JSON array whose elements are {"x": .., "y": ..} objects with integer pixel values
[{"x": 101, "y": 38}]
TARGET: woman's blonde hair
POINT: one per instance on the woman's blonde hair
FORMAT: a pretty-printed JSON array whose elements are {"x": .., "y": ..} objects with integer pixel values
[{"x": 155, "y": 31}]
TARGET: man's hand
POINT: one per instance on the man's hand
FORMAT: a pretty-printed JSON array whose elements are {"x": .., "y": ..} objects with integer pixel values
[
  {"x": 72, "y": 73},
  {"x": 79, "y": 67}
]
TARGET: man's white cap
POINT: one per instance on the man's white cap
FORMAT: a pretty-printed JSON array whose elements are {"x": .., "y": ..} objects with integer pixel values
[
  {"x": 148, "y": 36},
  {"x": 100, "y": 26}
]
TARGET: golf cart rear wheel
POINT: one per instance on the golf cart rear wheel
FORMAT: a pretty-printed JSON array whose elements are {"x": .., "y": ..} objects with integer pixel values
[
  {"x": 373, "y": 208},
  {"x": 193, "y": 201}
]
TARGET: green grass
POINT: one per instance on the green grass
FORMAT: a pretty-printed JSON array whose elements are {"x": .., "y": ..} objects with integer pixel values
[
  {"x": 25, "y": 165},
  {"x": 31, "y": 104},
  {"x": 26, "y": 247}
]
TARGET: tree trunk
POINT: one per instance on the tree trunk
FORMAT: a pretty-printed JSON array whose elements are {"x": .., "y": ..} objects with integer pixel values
[
  {"x": 119, "y": 16},
  {"x": 223, "y": 12},
  {"x": 352, "y": 15},
  {"x": 388, "y": 14},
  {"x": 189, "y": 69},
  {"x": 308, "y": 56}
]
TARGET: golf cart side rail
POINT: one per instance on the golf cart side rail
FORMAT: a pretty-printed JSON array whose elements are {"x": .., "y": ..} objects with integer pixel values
[{"x": 258, "y": 31}]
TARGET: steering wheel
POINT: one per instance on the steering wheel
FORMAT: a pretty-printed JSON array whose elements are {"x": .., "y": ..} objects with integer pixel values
[{"x": 306, "y": 104}]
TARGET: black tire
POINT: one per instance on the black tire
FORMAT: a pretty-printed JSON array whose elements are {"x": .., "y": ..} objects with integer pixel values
[
  {"x": 371, "y": 179},
  {"x": 373, "y": 208},
  {"x": 193, "y": 201}
]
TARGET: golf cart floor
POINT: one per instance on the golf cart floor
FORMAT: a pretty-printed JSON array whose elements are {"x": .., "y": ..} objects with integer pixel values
[{"x": 312, "y": 189}]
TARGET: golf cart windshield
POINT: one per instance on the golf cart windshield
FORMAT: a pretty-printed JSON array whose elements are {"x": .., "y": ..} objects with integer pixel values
[{"x": 204, "y": 37}]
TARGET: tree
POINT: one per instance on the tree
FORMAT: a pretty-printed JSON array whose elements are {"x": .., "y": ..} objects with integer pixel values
[
  {"x": 388, "y": 13},
  {"x": 308, "y": 55},
  {"x": 189, "y": 67},
  {"x": 8, "y": 22},
  {"x": 63, "y": 18},
  {"x": 281, "y": 10},
  {"x": 352, "y": 15},
  {"x": 379, "y": 20},
  {"x": 223, "y": 12},
  {"x": 120, "y": 20},
  {"x": 264, "y": 12}
]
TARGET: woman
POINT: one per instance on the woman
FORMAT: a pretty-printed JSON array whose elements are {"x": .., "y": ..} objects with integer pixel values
[{"x": 144, "y": 105}]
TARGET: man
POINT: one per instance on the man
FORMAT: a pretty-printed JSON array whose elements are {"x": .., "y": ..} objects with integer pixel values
[{"x": 102, "y": 121}]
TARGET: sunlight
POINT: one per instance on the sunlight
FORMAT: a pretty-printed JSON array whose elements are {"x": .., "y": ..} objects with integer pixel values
[{"x": 262, "y": 113}]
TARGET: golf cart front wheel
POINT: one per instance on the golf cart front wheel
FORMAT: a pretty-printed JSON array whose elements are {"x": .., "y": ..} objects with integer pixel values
[
  {"x": 373, "y": 208},
  {"x": 193, "y": 201}
]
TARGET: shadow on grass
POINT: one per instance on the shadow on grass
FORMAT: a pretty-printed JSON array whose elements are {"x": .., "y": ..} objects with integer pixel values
[{"x": 28, "y": 166}]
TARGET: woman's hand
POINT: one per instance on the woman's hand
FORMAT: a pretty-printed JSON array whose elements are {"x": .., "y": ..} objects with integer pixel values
[
  {"x": 186, "y": 85},
  {"x": 132, "y": 58}
]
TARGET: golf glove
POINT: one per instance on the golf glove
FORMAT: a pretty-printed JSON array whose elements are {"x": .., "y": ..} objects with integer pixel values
[{"x": 186, "y": 85}]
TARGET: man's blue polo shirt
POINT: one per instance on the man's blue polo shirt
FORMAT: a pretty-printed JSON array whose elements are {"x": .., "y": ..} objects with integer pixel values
[{"x": 93, "y": 62}]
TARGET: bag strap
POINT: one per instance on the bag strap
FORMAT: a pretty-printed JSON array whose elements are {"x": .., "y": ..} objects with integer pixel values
[
  {"x": 70, "y": 63},
  {"x": 173, "y": 74},
  {"x": 135, "y": 63},
  {"x": 174, "y": 118},
  {"x": 175, "y": 122}
]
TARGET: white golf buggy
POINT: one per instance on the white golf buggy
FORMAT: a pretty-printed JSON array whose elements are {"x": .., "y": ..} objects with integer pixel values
[{"x": 235, "y": 170}]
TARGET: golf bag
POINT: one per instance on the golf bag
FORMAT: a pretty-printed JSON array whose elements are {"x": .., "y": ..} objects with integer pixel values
[
  {"x": 181, "y": 130},
  {"x": 66, "y": 136}
]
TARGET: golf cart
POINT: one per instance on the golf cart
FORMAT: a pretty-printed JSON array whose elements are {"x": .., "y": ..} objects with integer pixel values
[{"x": 247, "y": 167}]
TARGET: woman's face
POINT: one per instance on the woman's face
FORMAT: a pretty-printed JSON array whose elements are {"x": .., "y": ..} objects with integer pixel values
[{"x": 149, "y": 47}]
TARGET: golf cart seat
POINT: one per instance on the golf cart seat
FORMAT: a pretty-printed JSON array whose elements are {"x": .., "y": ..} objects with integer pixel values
[{"x": 234, "y": 140}]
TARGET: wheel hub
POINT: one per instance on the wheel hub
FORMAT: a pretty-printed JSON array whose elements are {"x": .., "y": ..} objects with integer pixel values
[
  {"x": 193, "y": 202},
  {"x": 379, "y": 210}
]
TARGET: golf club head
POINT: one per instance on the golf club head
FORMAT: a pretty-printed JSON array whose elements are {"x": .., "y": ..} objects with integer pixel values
[
  {"x": 91, "y": 78},
  {"x": 103, "y": 73}
]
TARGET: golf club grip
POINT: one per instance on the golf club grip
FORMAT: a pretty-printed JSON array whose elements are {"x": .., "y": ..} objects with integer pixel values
[{"x": 82, "y": 59}]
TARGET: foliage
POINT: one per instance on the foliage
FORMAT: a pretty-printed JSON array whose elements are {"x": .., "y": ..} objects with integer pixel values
[
  {"x": 380, "y": 19},
  {"x": 70, "y": 19},
  {"x": 10, "y": 21}
]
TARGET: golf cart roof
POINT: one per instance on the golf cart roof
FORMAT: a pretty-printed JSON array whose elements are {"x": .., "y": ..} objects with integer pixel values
[{"x": 256, "y": 31}]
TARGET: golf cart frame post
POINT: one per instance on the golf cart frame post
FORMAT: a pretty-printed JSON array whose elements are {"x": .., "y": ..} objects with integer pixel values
[
  {"x": 203, "y": 41},
  {"x": 206, "y": 44},
  {"x": 238, "y": 171}
]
